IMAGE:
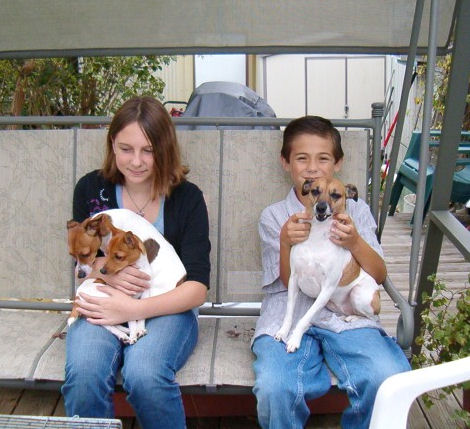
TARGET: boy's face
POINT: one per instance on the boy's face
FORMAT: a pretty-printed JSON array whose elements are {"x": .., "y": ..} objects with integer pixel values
[{"x": 311, "y": 157}]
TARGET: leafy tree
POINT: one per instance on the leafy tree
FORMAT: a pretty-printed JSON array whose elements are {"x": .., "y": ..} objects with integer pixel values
[
  {"x": 77, "y": 86},
  {"x": 441, "y": 79}
]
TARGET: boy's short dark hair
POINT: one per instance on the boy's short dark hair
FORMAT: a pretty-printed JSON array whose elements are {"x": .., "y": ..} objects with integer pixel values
[{"x": 315, "y": 125}]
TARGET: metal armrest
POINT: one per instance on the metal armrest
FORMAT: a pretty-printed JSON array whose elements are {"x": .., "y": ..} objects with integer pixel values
[{"x": 405, "y": 325}]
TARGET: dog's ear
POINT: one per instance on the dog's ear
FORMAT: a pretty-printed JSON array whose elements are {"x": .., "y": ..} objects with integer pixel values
[
  {"x": 351, "y": 191},
  {"x": 152, "y": 247},
  {"x": 131, "y": 241},
  {"x": 71, "y": 224},
  {"x": 105, "y": 225},
  {"x": 92, "y": 225},
  {"x": 134, "y": 242},
  {"x": 306, "y": 187}
]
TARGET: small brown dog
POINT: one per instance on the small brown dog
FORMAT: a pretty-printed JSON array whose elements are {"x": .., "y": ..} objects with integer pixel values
[
  {"x": 126, "y": 239},
  {"x": 124, "y": 247},
  {"x": 84, "y": 241}
]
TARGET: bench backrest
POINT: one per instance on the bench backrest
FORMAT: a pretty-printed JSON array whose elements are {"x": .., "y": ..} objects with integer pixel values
[{"x": 238, "y": 171}]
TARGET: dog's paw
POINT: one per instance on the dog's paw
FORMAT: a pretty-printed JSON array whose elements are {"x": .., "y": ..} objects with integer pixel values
[
  {"x": 141, "y": 333},
  {"x": 293, "y": 343},
  {"x": 281, "y": 335},
  {"x": 131, "y": 340},
  {"x": 127, "y": 339},
  {"x": 291, "y": 348}
]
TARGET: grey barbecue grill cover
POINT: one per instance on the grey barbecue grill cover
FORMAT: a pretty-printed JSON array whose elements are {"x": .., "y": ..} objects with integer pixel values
[{"x": 226, "y": 99}]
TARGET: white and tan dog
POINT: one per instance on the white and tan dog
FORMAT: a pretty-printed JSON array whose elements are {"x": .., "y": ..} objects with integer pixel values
[
  {"x": 124, "y": 249},
  {"x": 324, "y": 270},
  {"x": 125, "y": 238}
]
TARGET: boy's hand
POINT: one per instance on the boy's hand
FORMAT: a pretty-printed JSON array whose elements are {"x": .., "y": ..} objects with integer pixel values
[
  {"x": 296, "y": 229},
  {"x": 343, "y": 232}
]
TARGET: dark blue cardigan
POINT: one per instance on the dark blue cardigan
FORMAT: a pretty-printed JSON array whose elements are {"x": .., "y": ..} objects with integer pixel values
[{"x": 185, "y": 219}]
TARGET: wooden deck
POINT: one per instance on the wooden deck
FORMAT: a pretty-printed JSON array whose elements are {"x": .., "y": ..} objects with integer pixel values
[
  {"x": 453, "y": 270},
  {"x": 50, "y": 403},
  {"x": 396, "y": 243}
]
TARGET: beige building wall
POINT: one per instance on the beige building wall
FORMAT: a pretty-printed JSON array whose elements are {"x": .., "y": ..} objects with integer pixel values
[
  {"x": 334, "y": 86},
  {"x": 179, "y": 79}
]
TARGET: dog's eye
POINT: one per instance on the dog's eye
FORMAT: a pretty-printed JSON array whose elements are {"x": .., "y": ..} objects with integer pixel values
[
  {"x": 316, "y": 192},
  {"x": 118, "y": 257},
  {"x": 335, "y": 196},
  {"x": 85, "y": 255}
]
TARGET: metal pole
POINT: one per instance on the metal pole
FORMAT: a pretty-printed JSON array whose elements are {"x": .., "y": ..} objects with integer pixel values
[
  {"x": 424, "y": 148},
  {"x": 401, "y": 113},
  {"x": 377, "y": 114},
  {"x": 213, "y": 121},
  {"x": 450, "y": 138}
]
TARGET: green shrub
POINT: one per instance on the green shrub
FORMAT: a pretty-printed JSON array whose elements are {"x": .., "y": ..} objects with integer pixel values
[{"x": 445, "y": 334}]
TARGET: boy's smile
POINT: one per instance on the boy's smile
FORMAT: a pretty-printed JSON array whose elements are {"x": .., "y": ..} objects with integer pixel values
[{"x": 311, "y": 157}]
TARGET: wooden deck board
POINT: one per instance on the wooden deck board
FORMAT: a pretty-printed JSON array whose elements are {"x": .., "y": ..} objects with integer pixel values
[
  {"x": 8, "y": 400},
  {"x": 440, "y": 414},
  {"x": 417, "y": 418},
  {"x": 396, "y": 243},
  {"x": 37, "y": 403},
  {"x": 20, "y": 402}
]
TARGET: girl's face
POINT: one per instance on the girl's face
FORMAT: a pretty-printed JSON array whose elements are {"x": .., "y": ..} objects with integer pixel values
[
  {"x": 134, "y": 154},
  {"x": 311, "y": 157}
]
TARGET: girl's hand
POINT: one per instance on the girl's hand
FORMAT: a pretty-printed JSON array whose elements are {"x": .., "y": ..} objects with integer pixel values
[
  {"x": 116, "y": 309},
  {"x": 130, "y": 280},
  {"x": 343, "y": 231},
  {"x": 296, "y": 229}
]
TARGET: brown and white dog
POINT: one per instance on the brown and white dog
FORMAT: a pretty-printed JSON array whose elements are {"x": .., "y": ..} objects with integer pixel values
[
  {"x": 84, "y": 240},
  {"x": 124, "y": 249},
  {"x": 324, "y": 270},
  {"x": 125, "y": 238}
]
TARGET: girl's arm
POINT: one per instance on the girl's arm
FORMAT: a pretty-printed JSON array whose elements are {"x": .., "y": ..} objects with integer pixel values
[
  {"x": 120, "y": 308},
  {"x": 194, "y": 253}
]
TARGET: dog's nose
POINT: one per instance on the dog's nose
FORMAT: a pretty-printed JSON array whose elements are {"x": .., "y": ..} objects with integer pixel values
[
  {"x": 81, "y": 274},
  {"x": 321, "y": 207},
  {"x": 103, "y": 270}
]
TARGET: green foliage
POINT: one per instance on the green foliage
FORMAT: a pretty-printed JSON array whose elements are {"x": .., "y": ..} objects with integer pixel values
[
  {"x": 445, "y": 334},
  {"x": 441, "y": 79},
  {"x": 77, "y": 86}
]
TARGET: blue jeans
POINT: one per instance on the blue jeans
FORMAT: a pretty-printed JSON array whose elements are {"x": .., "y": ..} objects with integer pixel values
[
  {"x": 148, "y": 367},
  {"x": 361, "y": 359}
]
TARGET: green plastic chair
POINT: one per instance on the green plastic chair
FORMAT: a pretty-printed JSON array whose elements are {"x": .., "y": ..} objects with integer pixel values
[{"x": 408, "y": 172}]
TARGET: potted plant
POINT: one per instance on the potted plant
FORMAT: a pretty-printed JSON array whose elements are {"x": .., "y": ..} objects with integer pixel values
[{"x": 445, "y": 336}]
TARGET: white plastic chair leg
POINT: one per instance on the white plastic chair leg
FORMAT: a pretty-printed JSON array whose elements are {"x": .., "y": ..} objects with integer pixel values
[{"x": 397, "y": 393}]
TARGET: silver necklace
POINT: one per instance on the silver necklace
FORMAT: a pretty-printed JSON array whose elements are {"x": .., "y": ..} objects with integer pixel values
[{"x": 140, "y": 211}]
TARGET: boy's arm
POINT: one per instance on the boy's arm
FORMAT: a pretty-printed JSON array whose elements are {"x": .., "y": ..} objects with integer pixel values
[
  {"x": 293, "y": 231},
  {"x": 344, "y": 233}
]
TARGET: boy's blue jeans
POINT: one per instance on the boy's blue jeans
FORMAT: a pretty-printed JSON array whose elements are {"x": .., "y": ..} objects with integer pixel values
[
  {"x": 361, "y": 359},
  {"x": 94, "y": 356}
]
